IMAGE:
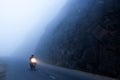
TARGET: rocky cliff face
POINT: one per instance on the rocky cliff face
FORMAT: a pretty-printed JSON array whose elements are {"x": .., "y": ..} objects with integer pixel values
[{"x": 87, "y": 40}]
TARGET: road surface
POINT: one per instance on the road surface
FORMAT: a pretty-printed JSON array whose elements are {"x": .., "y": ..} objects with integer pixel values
[{"x": 18, "y": 69}]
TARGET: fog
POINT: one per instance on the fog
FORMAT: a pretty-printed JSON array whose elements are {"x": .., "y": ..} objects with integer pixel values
[{"x": 22, "y": 23}]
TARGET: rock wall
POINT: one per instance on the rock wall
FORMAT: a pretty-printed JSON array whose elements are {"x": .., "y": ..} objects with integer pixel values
[{"x": 87, "y": 40}]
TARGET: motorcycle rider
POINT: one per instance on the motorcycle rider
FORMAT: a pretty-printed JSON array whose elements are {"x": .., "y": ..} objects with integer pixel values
[{"x": 32, "y": 64}]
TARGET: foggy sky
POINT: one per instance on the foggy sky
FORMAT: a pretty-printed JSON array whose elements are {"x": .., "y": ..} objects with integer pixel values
[{"x": 25, "y": 21}]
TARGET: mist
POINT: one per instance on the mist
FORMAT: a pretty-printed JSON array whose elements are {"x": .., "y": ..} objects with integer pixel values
[{"x": 23, "y": 22}]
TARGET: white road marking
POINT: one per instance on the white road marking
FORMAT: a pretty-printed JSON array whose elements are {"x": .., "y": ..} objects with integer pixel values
[{"x": 52, "y": 77}]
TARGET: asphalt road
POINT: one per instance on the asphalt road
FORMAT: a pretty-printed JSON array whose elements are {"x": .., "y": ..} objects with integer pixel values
[{"x": 18, "y": 69}]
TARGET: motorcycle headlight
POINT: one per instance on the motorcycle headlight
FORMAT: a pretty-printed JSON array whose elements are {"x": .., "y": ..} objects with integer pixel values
[{"x": 33, "y": 60}]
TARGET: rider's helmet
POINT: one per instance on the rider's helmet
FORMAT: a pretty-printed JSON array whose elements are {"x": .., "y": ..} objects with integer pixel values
[{"x": 32, "y": 55}]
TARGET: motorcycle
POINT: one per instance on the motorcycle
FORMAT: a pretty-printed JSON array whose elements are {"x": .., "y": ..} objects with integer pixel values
[{"x": 33, "y": 63}]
